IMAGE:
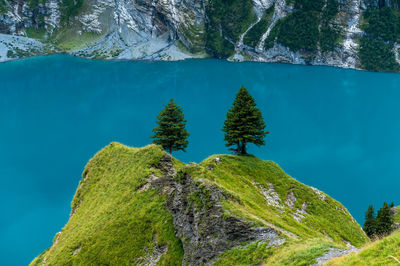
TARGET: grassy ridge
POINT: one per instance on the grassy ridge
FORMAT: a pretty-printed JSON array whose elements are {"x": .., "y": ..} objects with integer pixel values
[
  {"x": 245, "y": 178},
  {"x": 114, "y": 225}
]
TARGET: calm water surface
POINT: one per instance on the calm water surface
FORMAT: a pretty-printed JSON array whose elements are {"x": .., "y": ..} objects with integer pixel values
[{"x": 334, "y": 129}]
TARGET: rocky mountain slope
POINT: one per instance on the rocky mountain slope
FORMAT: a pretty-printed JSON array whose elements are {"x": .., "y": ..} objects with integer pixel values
[
  {"x": 346, "y": 33},
  {"x": 141, "y": 206}
]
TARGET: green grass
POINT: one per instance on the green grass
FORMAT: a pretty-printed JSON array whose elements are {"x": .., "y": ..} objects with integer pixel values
[
  {"x": 290, "y": 253},
  {"x": 39, "y": 34},
  {"x": 69, "y": 40},
  {"x": 252, "y": 254},
  {"x": 380, "y": 252},
  {"x": 300, "y": 252},
  {"x": 237, "y": 176},
  {"x": 113, "y": 224}
]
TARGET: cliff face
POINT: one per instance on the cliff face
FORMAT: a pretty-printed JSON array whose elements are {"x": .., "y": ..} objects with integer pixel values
[
  {"x": 141, "y": 206},
  {"x": 320, "y": 32}
]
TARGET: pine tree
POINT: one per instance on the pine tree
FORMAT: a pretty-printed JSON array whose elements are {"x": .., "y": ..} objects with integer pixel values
[
  {"x": 384, "y": 221},
  {"x": 170, "y": 132},
  {"x": 370, "y": 222},
  {"x": 244, "y": 123}
]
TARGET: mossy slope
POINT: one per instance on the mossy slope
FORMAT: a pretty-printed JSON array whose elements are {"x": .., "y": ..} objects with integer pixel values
[{"x": 114, "y": 221}]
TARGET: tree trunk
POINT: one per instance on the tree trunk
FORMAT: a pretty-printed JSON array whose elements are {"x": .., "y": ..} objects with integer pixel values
[
  {"x": 239, "y": 148},
  {"x": 243, "y": 149}
]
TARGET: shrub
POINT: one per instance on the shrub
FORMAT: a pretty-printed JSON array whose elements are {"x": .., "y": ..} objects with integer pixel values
[
  {"x": 376, "y": 55},
  {"x": 3, "y": 7},
  {"x": 311, "y": 24},
  {"x": 382, "y": 29},
  {"x": 300, "y": 31}
]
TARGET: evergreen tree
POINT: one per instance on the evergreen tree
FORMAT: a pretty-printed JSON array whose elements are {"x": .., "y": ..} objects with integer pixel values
[
  {"x": 244, "y": 123},
  {"x": 170, "y": 132},
  {"x": 370, "y": 222},
  {"x": 384, "y": 220}
]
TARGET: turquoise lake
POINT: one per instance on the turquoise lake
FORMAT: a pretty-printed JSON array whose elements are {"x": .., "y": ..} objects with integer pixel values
[{"x": 334, "y": 129}]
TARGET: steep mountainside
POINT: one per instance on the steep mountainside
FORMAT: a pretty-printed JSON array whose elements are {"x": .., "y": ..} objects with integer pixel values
[
  {"x": 141, "y": 206},
  {"x": 347, "y": 33}
]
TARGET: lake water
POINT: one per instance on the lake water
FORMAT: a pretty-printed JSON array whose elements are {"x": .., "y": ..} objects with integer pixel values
[{"x": 334, "y": 129}]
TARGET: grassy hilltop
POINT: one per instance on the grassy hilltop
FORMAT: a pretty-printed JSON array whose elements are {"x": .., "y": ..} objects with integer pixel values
[{"x": 140, "y": 206}]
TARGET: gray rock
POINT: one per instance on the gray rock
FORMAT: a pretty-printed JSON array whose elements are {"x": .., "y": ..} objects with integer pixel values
[
  {"x": 201, "y": 223},
  {"x": 291, "y": 200},
  {"x": 333, "y": 253}
]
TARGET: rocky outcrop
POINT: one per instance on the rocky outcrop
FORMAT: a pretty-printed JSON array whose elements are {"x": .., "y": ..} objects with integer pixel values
[
  {"x": 14, "y": 47},
  {"x": 20, "y": 16},
  {"x": 205, "y": 229},
  {"x": 148, "y": 208},
  {"x": 333, "y": 253}
]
